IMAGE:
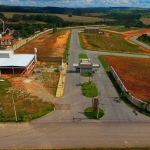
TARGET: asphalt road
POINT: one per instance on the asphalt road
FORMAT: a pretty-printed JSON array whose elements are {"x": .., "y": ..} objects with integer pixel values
[
  {"x": 134, "y": 39},
  {"x": 67, "y": 126}
]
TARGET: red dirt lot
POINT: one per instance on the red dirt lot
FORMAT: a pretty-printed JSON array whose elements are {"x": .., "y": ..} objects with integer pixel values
[
  {"x": 134, "y": 73},
  {"x": 47, "y": 44}
]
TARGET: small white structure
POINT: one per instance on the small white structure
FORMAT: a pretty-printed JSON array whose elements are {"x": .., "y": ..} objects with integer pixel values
[
  {"x": 85, "y": 65},
  {"x": 16, "y": 63}
]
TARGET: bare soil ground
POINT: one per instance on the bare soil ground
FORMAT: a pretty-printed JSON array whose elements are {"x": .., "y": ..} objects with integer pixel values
[
  {"x": 42, "y": 85},
  {"x": 135, "y": 74},
  {"x": 48, "y": 44}
]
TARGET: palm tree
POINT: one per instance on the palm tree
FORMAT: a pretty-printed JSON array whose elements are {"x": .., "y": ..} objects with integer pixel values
[
  {"x": 90, "y": 75},
  {"x": 90, "y": 85}
]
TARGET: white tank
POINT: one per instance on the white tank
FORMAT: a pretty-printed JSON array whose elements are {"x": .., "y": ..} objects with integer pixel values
[{"x": 0, "y": 36}]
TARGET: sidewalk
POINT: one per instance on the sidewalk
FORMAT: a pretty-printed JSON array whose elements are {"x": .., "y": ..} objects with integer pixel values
[{"x": 61, "y": 83}]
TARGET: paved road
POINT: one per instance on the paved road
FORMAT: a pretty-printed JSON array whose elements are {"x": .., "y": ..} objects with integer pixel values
[
  {"x": 134, "y": 39},
  {"x": 67, "y": 126}
]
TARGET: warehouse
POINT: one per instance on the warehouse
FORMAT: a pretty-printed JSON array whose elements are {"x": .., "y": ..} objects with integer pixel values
[{"x": 11, "y": 63}]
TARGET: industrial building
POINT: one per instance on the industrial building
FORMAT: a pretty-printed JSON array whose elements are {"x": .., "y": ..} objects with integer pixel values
[{"x": 11, "y": 63}]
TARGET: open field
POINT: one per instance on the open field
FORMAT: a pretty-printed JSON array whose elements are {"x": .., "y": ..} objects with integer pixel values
[
  {"x": 122, "y": 28},
  {"x": 47, "y": 44},
  {"x": 146, "y": 21},
  {"x": 114, "y": 41},
  {"x": 63, "y": 16},
  {"x": 134, "y": 73},
  {"x": 110, "y": 42},
  {"x": 33, "y": 95},
  {"x": 28, "y": 105}
]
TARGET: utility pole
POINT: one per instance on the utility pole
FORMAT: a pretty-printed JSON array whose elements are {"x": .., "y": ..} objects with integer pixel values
[
  {"x": 13, "y": 102},
  {"x": 12, "y": 96},
  {"x": 3, "y": 26}
]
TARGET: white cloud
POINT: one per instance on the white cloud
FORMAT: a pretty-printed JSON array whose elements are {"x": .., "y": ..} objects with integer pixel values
[{"x": 79, "y": 3}]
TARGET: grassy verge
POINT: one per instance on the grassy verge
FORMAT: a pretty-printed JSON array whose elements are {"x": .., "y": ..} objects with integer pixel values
[
  {"x": 28, "y": 107},
  {"x": 86, "y": 74},
  {"x": 105, "y": 66},
  {"x": 89, "y": 113},
  {"x": 65, "y": 58},
  {"x": 81, "y": 41},
  {"x": 82, "y": 56},
  {"x": 118, "y": 89},
  {"x": 89, "y": 89}
]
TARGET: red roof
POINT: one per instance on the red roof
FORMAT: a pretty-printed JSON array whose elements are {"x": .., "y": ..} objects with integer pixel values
[{"x": 7, "y": 38}]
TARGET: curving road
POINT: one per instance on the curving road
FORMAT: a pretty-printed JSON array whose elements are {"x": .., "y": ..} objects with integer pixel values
[
  {"x": 67, "y": 126},
  {"x": 134, "y": 39}
]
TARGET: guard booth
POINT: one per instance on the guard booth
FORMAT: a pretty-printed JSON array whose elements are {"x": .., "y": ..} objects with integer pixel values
[{"x": 85, "y": 65}]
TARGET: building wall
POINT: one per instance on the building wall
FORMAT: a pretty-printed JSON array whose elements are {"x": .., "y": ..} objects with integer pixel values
[
  {"x": 91, "y": 30},
  {"x": 4, "y": 54},
  {"x": 86, "y": 70}
]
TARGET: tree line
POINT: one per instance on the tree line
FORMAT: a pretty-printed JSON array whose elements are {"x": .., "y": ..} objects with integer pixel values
[{"x": 35, "y": 23}]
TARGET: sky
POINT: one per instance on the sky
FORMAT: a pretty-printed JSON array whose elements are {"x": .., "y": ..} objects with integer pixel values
[{"x": 78, "y": 3}]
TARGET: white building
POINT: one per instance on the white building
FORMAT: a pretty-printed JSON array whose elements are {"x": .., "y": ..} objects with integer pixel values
[
  {"x": 11, "y": 63},
  {"x": 85, "y": 65}
]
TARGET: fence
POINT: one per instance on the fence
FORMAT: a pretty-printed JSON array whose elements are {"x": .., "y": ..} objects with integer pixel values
[{"x": 130, "y": 97}]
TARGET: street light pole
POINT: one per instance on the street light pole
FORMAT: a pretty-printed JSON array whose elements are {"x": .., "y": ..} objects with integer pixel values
[{"x": 12, "y": 96}]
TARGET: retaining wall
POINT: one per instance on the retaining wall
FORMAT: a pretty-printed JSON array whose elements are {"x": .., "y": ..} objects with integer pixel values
[{"x": 130, "y": 97}]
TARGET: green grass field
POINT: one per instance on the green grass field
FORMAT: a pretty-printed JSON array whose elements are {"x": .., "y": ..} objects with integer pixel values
[
  {"x": 111, "y": 42},
  {"x": 104, "y": 64}
]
